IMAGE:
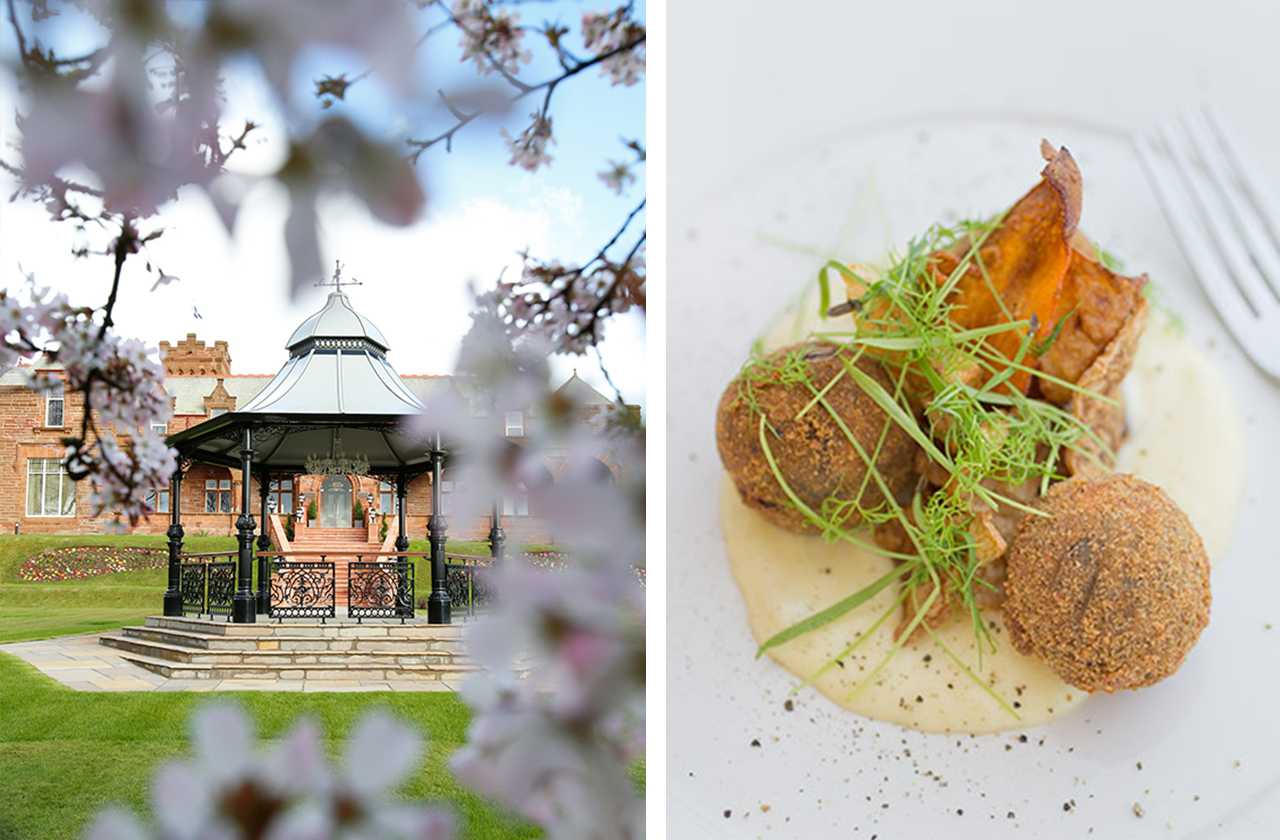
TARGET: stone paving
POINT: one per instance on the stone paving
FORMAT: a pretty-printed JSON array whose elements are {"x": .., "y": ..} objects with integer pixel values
[{"x": 81, "y": 663}]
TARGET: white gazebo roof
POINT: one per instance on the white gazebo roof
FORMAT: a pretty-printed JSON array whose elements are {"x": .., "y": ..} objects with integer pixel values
[
  {"x": 336, "y": 394},
  {"x": 337, "y": 365},
  {"x": 337, "y": 319}
]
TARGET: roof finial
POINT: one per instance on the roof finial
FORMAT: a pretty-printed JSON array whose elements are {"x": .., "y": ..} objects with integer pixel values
[{"x": 337, "y": 278}]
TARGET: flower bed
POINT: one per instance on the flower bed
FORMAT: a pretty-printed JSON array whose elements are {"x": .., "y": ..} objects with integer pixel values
[
  {"x": 77, "y": 562},
  {"x": 546, "y": 559}
]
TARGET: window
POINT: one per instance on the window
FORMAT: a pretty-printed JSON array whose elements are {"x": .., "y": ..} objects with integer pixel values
[
  {"x": 280, "y": 496},
  {"x": 446, "y": 496},
  {"x": 515, "y": 424},
  {"x": 158, "y": 501},
  {"x": 386, "y": 497},
  {"x": 217, "y": 495},
  {"x": 515, "y": 505},
  {"x": 160, "y": 428},
  {"x": 50, "y": 491},
  {"x": 54, "y": 403},
  {"x": 216, "y": 412}
]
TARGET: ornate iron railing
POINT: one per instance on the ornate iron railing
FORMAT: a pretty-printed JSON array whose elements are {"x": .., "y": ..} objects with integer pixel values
[
  {"x": 193, "y": 579},
  {"x": 222, "y": 588},
  {"x": 462, "y": 583},
  {"x": 207, "y": 587},
  {"x": 379, "y": 590},
  {"x": 303, "y": 589}
]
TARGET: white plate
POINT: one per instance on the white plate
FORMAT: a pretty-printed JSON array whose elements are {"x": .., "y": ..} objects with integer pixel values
[{"x": 1207, "y": 739}]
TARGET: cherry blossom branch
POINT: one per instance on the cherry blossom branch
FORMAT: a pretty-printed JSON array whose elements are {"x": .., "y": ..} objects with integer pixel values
[
  {"x": 549, "y": 85},
  {"x": 568, "y": 304}
]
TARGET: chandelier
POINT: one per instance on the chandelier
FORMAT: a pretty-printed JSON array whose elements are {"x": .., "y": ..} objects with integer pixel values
[{"x": 337, "y": 462}]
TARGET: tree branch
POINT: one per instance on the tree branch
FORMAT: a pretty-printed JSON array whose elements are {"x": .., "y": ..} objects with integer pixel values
[{"x": 549, "y": 85}]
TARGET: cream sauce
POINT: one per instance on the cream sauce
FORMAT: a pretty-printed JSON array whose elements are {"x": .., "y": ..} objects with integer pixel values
[{"x": 1173, "y": 400}]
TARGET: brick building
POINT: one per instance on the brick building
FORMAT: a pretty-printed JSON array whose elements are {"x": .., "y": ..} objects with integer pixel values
[{"x": 36, "y": 495}]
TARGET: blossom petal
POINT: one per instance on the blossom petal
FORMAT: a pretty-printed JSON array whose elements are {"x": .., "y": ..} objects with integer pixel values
[
  {"x": 297, "y": 764},
  {"x": 181, "y": 798},
  {"x": 380, "y": 753},
  {"x": 223, "y": 738},
  {"x": 415, "y": 822},
  {"x": 308, "y": 821},
  {"x": 116, "y": 824}
]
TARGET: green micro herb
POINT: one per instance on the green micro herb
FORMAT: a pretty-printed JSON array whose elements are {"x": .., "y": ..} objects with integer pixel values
[{"x": 950, "y": 396}]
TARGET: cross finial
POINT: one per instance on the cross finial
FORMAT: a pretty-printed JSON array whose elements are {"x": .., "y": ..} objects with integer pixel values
[{"x": 337, "y": 281}]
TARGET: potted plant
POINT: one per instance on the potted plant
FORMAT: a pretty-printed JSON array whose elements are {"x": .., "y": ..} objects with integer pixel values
[
  {"x": 311, "y": 512},
  {"x": 288, "y": 528},
  {"x": 359, "y": 514},
  {"x": 382, "y": 529}
]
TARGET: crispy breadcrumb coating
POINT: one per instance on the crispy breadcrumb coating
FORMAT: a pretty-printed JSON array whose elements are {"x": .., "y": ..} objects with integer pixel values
[
  {"x": 1111, "y": 590},
  {"x": 812, "y": 452}
]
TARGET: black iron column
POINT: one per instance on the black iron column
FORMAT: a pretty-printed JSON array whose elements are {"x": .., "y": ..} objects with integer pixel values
[
  {"x": 402, "y": 535},
  {"x": 438, "y": 611},
  {"x": 264, "y": 543},
  {"x": 173, "y": 595},
  {"x": 404, "y": 596},
  {"x": 243, "y": 603},
  {"x": 497, "y": 536}
]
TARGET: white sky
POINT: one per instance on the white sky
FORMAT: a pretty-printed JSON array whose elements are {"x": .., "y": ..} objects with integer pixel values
[{"x": 415, "y": 278}]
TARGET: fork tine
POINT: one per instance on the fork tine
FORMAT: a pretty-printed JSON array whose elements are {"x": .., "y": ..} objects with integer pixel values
[
  {"x": 1249, "y": 222},
  {"x": 1262, "y": 201},
  {"x": 1207, "y": 267},
  {"x": 1227, "y": 242}
]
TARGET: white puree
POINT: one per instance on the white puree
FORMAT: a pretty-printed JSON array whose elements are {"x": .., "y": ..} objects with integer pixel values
[{"x": 1185, "y": 436}]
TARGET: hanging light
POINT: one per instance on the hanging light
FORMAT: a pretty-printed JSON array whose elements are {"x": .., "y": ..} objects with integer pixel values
[{"x": 337, "y": 462}]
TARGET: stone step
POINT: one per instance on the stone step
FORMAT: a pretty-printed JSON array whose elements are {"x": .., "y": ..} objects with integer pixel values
[
  {"x": 372, "y": 629},
  {"x": 204, "y": 671},
  {"x": 197, "y": 642},
  {"x": 281, "y": 659}
]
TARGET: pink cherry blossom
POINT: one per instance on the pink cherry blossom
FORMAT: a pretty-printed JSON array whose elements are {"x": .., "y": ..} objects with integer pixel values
[
  {"x": 604, "y": 33},
  {"x": 529, "y": 148},
  {"x": 230, "y": 784}
]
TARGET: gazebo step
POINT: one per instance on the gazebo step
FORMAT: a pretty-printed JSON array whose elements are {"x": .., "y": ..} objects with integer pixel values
[
  {"x": 264, "y": 628},
  {"x": 205, "y": 671},
  {"x": 197, "y": 641},
  {"x": 318, "y": 658}
]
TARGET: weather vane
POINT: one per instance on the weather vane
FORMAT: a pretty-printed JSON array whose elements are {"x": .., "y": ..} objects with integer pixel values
[{"x": 337, "y": 282}]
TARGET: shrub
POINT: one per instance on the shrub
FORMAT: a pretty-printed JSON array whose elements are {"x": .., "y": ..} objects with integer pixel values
[
  {"x": 382, "y": 529},
  {"x": 288, "y": 527},
  {"x": 359, "y": 510},
  {"x": 312, "y": 510}
]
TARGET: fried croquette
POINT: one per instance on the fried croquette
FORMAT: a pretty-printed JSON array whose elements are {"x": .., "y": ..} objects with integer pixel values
[
  {"x": 1111, "y": 589},
  {"x": 811, "y": 450}
]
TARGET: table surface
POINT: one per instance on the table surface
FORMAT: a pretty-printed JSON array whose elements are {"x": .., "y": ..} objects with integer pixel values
[{"x": 754, "y": 81}]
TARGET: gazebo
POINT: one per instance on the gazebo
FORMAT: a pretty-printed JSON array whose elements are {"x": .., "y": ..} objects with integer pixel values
[{"x": 336, "y": 405}]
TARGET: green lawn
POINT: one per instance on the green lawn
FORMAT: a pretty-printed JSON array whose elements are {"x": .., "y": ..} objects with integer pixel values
[
  {"x": 42, "y": 610},
  {"x": 64, "y": 754},
  {"x": 20, "y": 624}
]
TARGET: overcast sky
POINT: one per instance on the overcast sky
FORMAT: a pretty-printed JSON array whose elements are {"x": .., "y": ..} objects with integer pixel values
[{"x": 480, "y": 214}]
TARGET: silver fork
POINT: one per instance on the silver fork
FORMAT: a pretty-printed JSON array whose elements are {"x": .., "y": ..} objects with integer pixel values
[{"x": 1226, "y": 225}]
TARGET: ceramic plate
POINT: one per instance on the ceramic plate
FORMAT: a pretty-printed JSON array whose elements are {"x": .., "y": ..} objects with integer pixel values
[{"x": 1199, "y": 753}]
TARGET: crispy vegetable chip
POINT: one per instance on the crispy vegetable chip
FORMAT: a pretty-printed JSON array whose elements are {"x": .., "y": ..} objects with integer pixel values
[
  {"x": 1095, "y": 303},
  {"x": 1019, "y": 270},
  {"x": 1103, "y": 376}
]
